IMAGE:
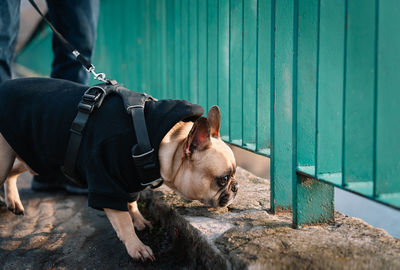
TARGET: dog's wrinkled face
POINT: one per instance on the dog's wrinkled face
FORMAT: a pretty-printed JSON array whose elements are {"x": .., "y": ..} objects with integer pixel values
[{"x": 208, "y": 174}]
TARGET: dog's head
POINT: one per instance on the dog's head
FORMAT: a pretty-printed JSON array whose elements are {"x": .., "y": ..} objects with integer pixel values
[{"x": 208, "y": 168}]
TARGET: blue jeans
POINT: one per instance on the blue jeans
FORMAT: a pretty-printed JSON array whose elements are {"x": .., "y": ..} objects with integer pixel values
[{"x": 76, "y": 20}]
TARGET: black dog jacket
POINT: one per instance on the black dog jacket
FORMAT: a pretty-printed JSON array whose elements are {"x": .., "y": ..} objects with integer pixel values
[{"x": 35, "y": 118}]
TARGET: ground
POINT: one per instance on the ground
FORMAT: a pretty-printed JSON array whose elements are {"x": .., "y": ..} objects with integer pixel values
[{"x": 59, "y": 231}]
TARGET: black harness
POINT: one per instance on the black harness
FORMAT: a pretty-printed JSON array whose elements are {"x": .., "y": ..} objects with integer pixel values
[{"x": 143, "y": 154}]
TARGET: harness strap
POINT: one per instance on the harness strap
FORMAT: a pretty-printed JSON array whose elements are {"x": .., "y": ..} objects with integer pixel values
[
  {"x": 92, "y": 98},
  {"x": 143, "y": 153}
]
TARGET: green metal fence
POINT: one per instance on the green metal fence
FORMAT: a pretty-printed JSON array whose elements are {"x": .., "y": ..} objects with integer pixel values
[{"x": 313, "y": 84}]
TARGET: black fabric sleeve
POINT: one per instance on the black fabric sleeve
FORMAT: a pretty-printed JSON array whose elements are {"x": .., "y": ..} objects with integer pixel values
[
  {"x": 111, "y": 176},
  {"x": 101, "y": 201},
  {"x": 106, "y": 189}
]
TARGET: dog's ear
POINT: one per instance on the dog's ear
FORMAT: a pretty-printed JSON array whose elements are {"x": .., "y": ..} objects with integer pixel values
[
  {"x": 198, "y": 138},
  {"x": 214, "y": 120}
]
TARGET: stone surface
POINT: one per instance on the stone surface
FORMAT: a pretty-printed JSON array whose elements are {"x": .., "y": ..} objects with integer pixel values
[
  {"x": 59, "y": 231},
  {"x": 247, "y": 236}
]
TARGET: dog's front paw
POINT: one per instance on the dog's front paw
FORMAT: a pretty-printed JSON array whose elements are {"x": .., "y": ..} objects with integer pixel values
[
  {"x": 139, "y": 251},
  {"x": 14, "y": 205}
]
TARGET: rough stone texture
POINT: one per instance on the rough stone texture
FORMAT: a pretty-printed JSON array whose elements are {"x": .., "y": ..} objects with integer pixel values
[
  {"x": 245, "y": 235},
  {"x": 59, "y": 231}
]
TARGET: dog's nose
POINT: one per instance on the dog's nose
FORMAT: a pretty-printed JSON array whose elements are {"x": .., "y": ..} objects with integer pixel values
[{"x": 234, "y": 187}]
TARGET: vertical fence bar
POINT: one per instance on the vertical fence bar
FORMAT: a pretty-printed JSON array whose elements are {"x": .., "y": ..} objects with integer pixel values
[
  {"x": 388, "y": 109},
  {"x": 263, "y": 75},
  {"x": 170, "y": 51},
  {"x": 223, "y": 65},
  {"x": 139, "y": 48},
  {"x": 155, "y": 35},
  {"x": 178, "y": 56},
  {"x": 307, "y": 84},
  {"x": 212, "y": 53},
  {"x": 249, "y": 73},
  {"x": 146, "y": 70},
  {"x": 330, "y": 91},
  {"x": 163, "y": 50},
  {"x": 193, "y": 65},
  {"x": 235, "y": 71},
  {"x": 149, "y": 71},
  {"x": 281, "y": 173},
  {"x": 151, "y": 49},
  {"x": 359, "y": 97},
  {"x": 128, "y": 59},
  {"x": 202, "y": 52},
  {"x": 185, "y": 50},
  {"x": 312, "y": 200}
]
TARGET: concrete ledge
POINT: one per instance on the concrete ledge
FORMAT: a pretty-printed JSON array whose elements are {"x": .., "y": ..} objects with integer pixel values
[
  {"x": 245, "y": 235},
  {"x": 59, "y": 231}
]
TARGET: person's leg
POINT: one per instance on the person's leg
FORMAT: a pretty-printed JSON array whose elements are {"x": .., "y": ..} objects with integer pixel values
[
  {"x": 76, "y": 20},
  {"x": 9, "y": 25}
]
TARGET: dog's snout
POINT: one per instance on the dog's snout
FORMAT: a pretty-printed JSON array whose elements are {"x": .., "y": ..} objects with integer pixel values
[{"x": 234, "y": 186}]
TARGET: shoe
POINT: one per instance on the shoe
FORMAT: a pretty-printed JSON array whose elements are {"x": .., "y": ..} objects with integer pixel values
[
  {"x": 52, "y": 183},
  {"x": 47, "y": 183}
]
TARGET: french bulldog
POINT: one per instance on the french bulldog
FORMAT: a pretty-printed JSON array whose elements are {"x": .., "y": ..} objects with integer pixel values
[{"x": 194, "y": 162}]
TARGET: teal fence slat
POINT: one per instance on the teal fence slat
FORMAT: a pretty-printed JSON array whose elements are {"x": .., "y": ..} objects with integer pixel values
[
  {"x": 281, "y": 176},
  {"x": 235, "y": 71},
  {"x": 212, "y": 53},
  {"x": 223, "y": 65},
  {"x": 307, "y": 82},
  {"x": 178, "y": 49},
  {"x": 249, "y": 73},
  {"x": 264, "y": 59},
  {"x": 202, "y": 52},
  {"x": 185, "y": 71},
  {"x": 359, "y": 94},
  {"x": 193, "y": 65},
  {"x": 388, "y": 97},
  {"x": 312, "y": 199},
  {"x": 330, "y": 87},
  {"x": 170, "y": 63}
]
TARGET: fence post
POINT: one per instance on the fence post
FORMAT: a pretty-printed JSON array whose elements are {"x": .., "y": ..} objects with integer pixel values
[
  {"x": 281, "y": 106},
  {"x": 313, "y": 200}
]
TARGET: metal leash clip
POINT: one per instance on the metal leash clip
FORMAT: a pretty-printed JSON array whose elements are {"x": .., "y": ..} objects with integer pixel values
[{"x": 97, "y": 76}]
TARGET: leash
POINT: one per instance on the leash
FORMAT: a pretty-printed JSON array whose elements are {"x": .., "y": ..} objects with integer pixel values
[{"x": 78, "y": 56}]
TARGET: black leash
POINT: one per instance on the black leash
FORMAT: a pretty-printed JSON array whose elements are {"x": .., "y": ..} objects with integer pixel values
[{"x": 78, "y": 56}]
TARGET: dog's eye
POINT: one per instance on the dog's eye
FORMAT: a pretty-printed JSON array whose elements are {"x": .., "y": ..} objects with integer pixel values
[{"x": 222, "y": 181}]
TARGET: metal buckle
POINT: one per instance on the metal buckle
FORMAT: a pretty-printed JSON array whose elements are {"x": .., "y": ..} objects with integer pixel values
[
  {"x": 154, "y": 184},
  {"x": 145, "y": 160},
  {"x": 144, "y": 154},
  {"x": 134, "y": 107},
  {"x": 96, "y": 98}
]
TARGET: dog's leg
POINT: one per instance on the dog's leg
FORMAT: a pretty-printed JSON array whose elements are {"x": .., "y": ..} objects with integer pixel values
[
  {"x": 7, "y": 157},
  {"x": 122, "y": 224},
  {"x": 138, "y": 220},
  {"x": 13, "y": 201}
]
